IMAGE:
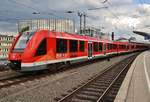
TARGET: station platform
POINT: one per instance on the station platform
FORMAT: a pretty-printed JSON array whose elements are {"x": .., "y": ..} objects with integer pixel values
[{"x": 136, "y": 85}]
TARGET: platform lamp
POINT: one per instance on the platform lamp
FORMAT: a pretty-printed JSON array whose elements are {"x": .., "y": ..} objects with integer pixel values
[
  {"x": 112, "y": 36},
  {"x": 80, "y": 15}
]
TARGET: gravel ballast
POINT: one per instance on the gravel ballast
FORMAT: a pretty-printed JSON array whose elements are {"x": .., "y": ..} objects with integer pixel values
[{"x": 55, "y": 85}]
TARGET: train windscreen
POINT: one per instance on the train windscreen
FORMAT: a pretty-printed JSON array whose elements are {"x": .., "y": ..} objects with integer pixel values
[{"x": 23, "y": 40}]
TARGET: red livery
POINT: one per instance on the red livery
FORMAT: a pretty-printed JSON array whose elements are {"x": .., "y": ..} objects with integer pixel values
[{"x": 36, "y": 50}]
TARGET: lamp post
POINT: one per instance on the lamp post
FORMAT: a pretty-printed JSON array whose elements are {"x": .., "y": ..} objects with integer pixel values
[
  {"x": 80, "y": 15},
  {"x": 36, "y": 13},
  {"x": 84, "y": 28}
]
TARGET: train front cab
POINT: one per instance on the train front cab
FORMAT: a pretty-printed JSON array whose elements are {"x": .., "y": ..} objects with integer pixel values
[
  {"x": 29, "y": 47},
  {"x": 17, "y": 49}
]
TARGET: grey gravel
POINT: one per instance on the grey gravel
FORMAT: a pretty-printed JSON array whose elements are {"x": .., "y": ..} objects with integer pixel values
[{"x": 47, "y": 88}]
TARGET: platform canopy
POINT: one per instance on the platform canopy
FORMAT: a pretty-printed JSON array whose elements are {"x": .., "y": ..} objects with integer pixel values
[{"x": 143, "y": 31}]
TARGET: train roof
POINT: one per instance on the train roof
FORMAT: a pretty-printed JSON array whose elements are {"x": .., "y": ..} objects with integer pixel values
[
  {"x": 65, "y": 35},
  {"x": 73, "y": 36}
]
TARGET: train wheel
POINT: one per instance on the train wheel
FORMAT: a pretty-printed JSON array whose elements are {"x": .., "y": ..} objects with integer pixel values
[
  {"x": 52, "y": 68},
  {"x": 68, "y": 63}
]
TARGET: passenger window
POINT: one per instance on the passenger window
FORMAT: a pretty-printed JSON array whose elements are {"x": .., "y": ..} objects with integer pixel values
[
  {"x": 115, "y": 47},
  {"x": 111, "y": 46},
  {"x": 120, "y": 46},
  {"x": 100, "y": 47},
  {"x": 61, "y": 45},
  {"x": 42, "y": 48},
  {"x": 124, "y": 46},
  {"x": 104, "y": 46},
  {"x": 73, "y": 45},
  {"x": 108, "y": 46},
  {"x": 82, "y": 46},
  {"x": 95, "y": 46}
]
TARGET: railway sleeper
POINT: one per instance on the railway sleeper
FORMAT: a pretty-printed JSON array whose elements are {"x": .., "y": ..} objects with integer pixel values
[
  {"x": 100, "y": 87},
  {"x": 86, "y": 97},
  {"x": 107, "y": 100},
  {"x": 79, "y": 100},
  {"x": 96, "y": 86},
  {"x": 90, "y": 93},
  {"x": 93, "y": 90}
]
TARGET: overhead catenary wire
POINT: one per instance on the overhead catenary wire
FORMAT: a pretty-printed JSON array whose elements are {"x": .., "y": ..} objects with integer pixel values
[
  {"x": 114, "y": 14},
  {"x": 28, "y": 6},
  {"x": 36, "y": 9},
  {"x": 3, "y": 18},
  {"x": 112, "y": 11},
  {"x": 15, "y": 2},
  {"x": 141, "y": 2},
  {"x": 105, "y": 7}
]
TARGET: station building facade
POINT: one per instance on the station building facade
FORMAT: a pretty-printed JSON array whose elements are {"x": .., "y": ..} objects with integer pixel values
[{"x": 6, "y": 40}]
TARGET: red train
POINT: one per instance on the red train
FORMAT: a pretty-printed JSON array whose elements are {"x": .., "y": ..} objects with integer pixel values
[{"x": 36, "y": 50}]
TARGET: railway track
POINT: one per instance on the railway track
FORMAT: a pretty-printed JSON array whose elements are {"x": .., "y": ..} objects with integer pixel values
[
  {"x": 3, "y": 65},
  {"x": 8, "y": 74},
  {"x": 8, "y": 79},
  {"x": 103, "y": 87},
  {"x": 16, "y": 78},
  {"x": 3, "y": 68},
  {"x": 12, "y": 78}
]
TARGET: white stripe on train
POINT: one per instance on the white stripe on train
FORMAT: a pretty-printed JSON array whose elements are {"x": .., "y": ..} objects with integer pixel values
[{"x": 63, "y": 60}]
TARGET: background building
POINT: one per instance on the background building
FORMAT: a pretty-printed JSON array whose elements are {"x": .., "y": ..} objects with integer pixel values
[
  {"x": 6, "y": 40},
  {"x": 60, "y": 25},
  {"x": 95, "y": 32}
]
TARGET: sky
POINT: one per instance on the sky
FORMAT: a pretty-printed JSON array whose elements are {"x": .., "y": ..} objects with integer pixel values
[
  {"x": 121, "y": 16},
  {"x": 141, "y": 1}
]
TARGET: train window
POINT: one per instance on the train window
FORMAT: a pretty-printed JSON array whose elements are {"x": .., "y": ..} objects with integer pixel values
[
  {"x": 105, "y": 47},
  {"x": 42, "y": 48},
  {"x": 61, "y": 45},
  {"x": 73, "y": 45},
  {"x": 82, "y": 46},
  {"x": 124, "y": 46},
  {"x": 114, "y": 46},
  {"x": 111, "y": 46},
  {"x": 23, "y": 40},
  {"x": 127, "y": 46},
  {"x": 100, "y": 47},
  {"x": 120, "y": 46},
  {"x": 108, "y": 46},
  {"x": 96, "y": 46}
]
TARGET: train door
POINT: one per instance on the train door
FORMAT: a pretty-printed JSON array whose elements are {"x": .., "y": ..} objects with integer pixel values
[
  {"x": 90, "y": 50},
  {"x": 105, "y": 46}
]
